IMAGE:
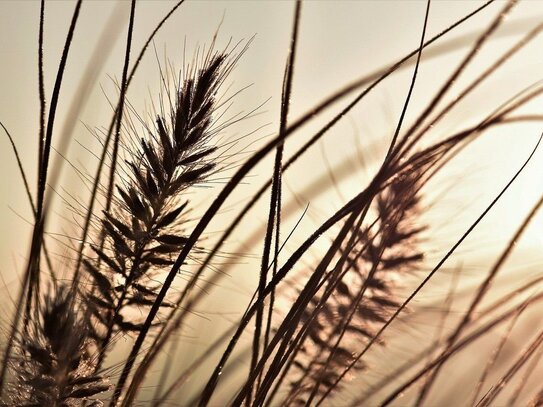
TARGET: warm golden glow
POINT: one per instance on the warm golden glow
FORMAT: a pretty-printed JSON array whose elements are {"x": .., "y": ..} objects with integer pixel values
[{"x": 339, "y": 42}]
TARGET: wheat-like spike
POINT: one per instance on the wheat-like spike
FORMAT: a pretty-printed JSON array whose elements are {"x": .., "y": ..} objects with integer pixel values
[
  {"x": 363, "y": 295},
  {"x": 143, "y": 230},
  {"x": 54, "y": 366}
]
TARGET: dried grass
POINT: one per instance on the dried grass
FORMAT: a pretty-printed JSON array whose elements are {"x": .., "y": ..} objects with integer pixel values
[{"x": 347, "y": 297}]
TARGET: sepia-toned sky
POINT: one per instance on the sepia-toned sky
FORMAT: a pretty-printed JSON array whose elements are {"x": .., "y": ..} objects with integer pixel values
[{"x": 340, "y": 41}]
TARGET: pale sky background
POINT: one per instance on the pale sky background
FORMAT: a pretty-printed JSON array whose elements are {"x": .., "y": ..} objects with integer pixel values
[{"x": 339, "y": 41}]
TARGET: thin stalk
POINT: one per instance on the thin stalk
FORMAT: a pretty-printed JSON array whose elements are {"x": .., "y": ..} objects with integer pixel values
[
  {"x": 275, "y": 201},
  {"x": 111, "y": 183},
  {"x": 30, "y": 284}
]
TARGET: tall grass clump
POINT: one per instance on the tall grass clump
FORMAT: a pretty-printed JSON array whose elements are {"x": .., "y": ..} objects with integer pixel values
[
  {"x": 158, "y": 280},
  {"x": 144, "y": 230}
]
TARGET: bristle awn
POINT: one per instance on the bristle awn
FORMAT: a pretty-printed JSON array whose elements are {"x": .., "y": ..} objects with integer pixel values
[
  {"x": 275, "y": 200},
  {"x": 436, "y": 268}
]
